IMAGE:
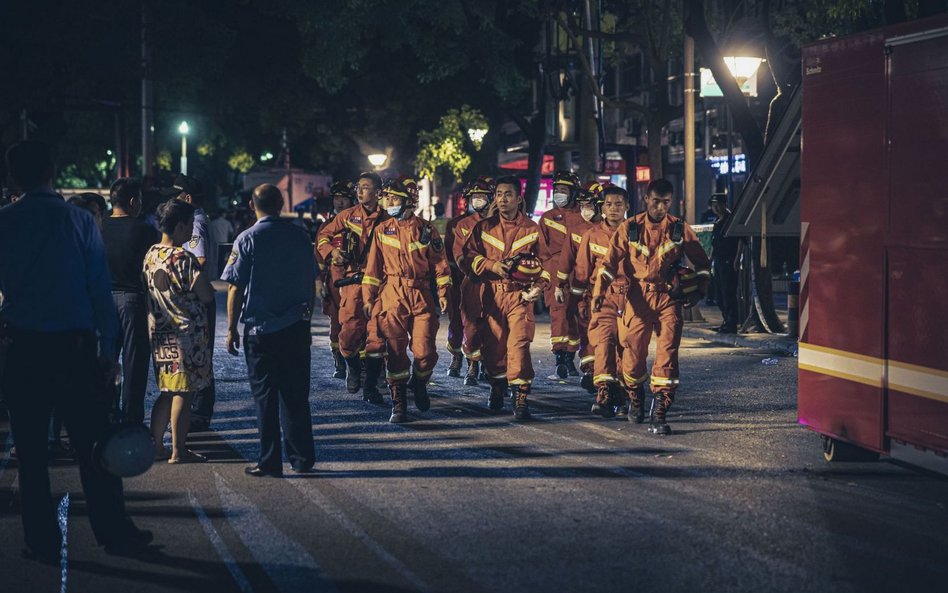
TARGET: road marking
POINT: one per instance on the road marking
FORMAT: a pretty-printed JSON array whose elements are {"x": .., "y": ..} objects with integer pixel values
[
  {"x": 340, "y": 517},
  {"x": 287, "y": 563},
  {"x": 232, "y": 567},
  {"x": 63, "y": 516}
]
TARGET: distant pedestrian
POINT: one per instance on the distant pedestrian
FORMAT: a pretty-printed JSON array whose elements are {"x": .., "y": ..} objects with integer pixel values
[
  {"x": 58, "y": 325},
  {"x": 724, "y": 251},
  {"x": 92, "y": 202},
  {"x": 204, "y": 248},
  {"x": 178, "y": 295},
  {"x": 127, "y": 239},
  {"x": 272, "y": 277}
]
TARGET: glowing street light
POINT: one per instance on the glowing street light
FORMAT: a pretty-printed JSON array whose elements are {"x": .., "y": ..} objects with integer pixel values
[
  {"x": 477, "y": 135},
  {"x": 378, "y": 160},
  {"x": 183, "y": 129},
  {"x": 742, "y": 68},
  {"x": 266, "y": 156}
]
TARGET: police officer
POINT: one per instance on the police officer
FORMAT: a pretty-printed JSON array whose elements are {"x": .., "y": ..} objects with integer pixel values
[
  {"x": 272, "y": 276},
  {"x": 343, "y": 197},
  {"x": 466, "y": 305},
  {"x": 408, "y": 253},
  {"x": 58, "y": 327},
  {"x": 645, "y": 250},
  {"x": 556, "y": 227}
]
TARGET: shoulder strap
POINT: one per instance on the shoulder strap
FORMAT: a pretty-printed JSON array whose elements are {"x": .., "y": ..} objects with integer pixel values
[
  {"x": 368, "y": 241},
  {"x": 425, "y": 234},
  {"x": 678, "y": 231}
]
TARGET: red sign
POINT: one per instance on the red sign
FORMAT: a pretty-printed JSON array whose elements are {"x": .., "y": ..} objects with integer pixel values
[
  {"x": 643, "y": 174},
  {"x": 521, "y": 165}
]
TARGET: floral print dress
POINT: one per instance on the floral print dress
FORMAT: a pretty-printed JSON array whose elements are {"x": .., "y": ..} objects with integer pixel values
[{"x": 177, "y": 321}]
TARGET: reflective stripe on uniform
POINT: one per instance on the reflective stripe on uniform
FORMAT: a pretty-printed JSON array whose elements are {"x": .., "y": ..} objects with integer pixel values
[
  {"x": 545, "y": 275},
  {"x": 396, "y": 376},
  {"x": 370, "y": 281},
  {"x": 443, "y": 281},
  {"x": 354, "y": 228},
  {"x": 665, "y": 248},
  {"x": 598, "y": 249},
  {"x": 562, "y": 276},
  {"x": 559, "y": 340},
  {"x": 643, "y": 249},
  {"x": 524, "y": 241},
  {"x": 587, "y": 360},
  {"x": 454, "y": 350},
  {"x": 577, "y": 291},
  {"x": 423, "y": 374},
  {"x": 577, "y": 238},
  {"x": 632, "y": 381},
  {"x": 573, "y": 342},
  {"x": 604, "y": 378},
  {"x": 519, "y": 382},
  {"x": 476, "y": 355},
  {"x": 662, "y": 381},
  {"x": 606, "y": 273},
  {"x": 555, "y": 225},
  {"x": 493, "y": 241},
  {"x": 477, "y": 263},
  {"x": 373, "y": 355},
  {"x": 390, "y": 241},
  {"x": 416, "y": 245},
  {"x": 322, "y": 241}
]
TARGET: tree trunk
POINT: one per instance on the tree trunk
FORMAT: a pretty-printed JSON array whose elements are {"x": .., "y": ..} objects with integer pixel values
[{"x": 654, "y": 142}]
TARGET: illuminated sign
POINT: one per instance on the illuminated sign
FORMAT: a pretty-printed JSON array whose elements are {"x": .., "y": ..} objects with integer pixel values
[
  {"x": 719, "y": 163},
  {"x": 643, "y": 174}
]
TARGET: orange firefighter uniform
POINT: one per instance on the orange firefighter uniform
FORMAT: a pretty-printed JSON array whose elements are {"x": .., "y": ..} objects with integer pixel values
[
  {"x": 556, "y": 227},
  {"x": 329, "y": 274},
  {"x": 465, "y": 308},
  {"x": 353, "y": 324},
  {"x": 643, "y": 252},
  {"x": 604, "y": 323},
  {"x": 577, "y": 299},
  {"x": 407, "y": 254},
  {"x": 510, "y": 325}
]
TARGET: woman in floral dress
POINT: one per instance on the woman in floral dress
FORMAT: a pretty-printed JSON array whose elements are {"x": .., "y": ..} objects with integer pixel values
[{"x": 178, "y": 294}]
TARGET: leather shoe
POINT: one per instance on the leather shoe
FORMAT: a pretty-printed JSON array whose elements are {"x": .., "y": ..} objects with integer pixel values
[
  {"x": 302, "y": 469},
  {"x": 132, "y": 541},
  {"x": 258, "y": 472}
]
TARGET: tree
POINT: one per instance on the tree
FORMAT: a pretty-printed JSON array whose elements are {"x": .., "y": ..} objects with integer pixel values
[{"x": 446, "y": 152}]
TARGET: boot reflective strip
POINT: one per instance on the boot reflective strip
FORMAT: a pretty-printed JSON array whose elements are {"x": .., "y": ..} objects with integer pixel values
[
  {"x": 520, "y": 381},
  {"x": 373, "y": 355},
  {"x": 500, "y": 376},
  {"x": 577, "y": 291},
  {"x": 476, "y": 355},
  {"x": 632, "y": 381},
  {"x": 587, "y": 360},
  {"x": 604, "y": 379},
  {"x": 559, "y": 339},
  {"x": 361, "y": 353},
  {"x": 423, "y": 374},
  {"x": 334, "y": 345},
  {"x": 663, "y": 381},
  {"x": 573, "y": 342},
  {"x": 454, "y": 350},
  {"x": 399, "y": 375}
]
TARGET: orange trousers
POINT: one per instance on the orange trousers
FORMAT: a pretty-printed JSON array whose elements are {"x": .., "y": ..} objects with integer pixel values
[
  {"x": 580, "y": 313},
  {"x": 604, "y": 336},
  {"x": 645, "y": 312},
  {"x": 510, "y": 329},
  {"x": 408, "y": 318},
  {"x": 564, "y": 328},
  {"x": 472, "y": 318},
  {"x": 357, "y": 334},
  {"x": 455, "y": 321}
]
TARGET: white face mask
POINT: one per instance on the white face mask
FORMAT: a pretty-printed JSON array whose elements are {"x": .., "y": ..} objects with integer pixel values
[
  {"x": 478, "y": 204},
  {"x": 587, "y": 213},
  {"x": 394, "y": 211},
  {"x": 560, "y": 199}
]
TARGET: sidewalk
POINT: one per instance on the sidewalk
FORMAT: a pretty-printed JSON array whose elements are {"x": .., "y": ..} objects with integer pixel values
[{"x": 701, "y": 330}]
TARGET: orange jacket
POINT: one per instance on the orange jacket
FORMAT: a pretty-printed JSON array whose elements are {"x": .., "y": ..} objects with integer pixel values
[
  {"x": 459, "y": 229},
  {"x": 397, "y": 250},
  {"x": 495, "y": 239},
  {"x": 649, "y": 259},
  {"x": 555, "y": 227},
  {"x": 567, "y": 259},
  {"x": 357, "y": 220},
  {"x": 592, "y": 250}
]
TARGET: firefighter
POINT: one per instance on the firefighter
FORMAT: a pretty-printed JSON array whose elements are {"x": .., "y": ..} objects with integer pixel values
[
  {"x": 555, "y": 231},
  {"x": 357, "y": 223},
  {"x": 464, "y": 331},
  {"x": 407, "y": 252},
  {"x": 646, "y": 250},
  {"x": 343, "y": 197},
  {"x": 604, "y": 322},
  {"x": 577, "y": 299},
  {"x": 502, "y": 252}
]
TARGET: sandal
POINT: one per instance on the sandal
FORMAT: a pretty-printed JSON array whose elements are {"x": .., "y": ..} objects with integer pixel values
[{"x": 189, "y": 457}]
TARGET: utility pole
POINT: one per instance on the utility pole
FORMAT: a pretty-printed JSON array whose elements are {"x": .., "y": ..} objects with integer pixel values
[
  {"x": 589, "y": 140},
  {"x": 693, "y": 313},
  {"x": 289, "y": 172},
  {"x": 148, "y": 155}
]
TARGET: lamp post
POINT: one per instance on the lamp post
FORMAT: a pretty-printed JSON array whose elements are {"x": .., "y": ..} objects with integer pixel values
[
  {"x": 742, "y": 68},
  {"x": 183, "y": 129}
]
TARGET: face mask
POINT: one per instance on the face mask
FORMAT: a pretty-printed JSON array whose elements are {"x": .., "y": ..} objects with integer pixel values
[
  {"x": 560, "y": 199},
  {"x": 587, "y": 213},
  {"x": 478, "y": 204},
  {"x": 394, "y": 211}
]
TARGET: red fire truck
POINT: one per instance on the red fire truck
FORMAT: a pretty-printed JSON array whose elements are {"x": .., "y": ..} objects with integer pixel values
[{"x": 873, "y": 354}]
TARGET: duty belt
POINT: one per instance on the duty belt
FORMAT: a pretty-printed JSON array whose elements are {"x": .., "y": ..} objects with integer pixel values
[
  {"x": 416, "y": 282},
  {"x": 654, "y": 286}
]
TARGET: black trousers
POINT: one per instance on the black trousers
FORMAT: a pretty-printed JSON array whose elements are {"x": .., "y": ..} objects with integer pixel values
[
  {"x": 46, "y": 370},
  {"x": 135, "y": 347},
  {"x": 202, "y": 406},
  {"x": 725, "y": 284},
  {"x": 279, "y": 367}
]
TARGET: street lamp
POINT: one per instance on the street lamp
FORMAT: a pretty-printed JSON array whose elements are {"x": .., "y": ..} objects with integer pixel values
[
  {"x": 742, "y": 68},
  {"x": 183, "y": 129},
  {"x": 377, "y": 160},
  {"x": 477, "y": 135}
]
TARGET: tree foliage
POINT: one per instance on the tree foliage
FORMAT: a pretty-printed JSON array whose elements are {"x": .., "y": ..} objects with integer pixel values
[{"x": 450, "y": 145}]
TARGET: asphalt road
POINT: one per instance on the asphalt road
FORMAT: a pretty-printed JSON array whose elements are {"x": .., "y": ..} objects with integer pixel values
[{"x": 737, "y": 499}]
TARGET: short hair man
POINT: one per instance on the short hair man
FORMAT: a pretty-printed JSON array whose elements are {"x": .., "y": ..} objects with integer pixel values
[
  {"x": 272, "y": 276},
  {"x": 58, "y": 320}
]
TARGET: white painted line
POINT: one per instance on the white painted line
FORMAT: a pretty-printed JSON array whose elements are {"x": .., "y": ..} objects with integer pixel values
[
  {"x": 287, "y": 563},
  {"x": 243, "y": 583},
  {"x": 340, "y": 517}
]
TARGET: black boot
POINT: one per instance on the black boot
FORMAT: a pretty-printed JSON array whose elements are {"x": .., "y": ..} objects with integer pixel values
[
  {"x": 420, "y": 390},
  {"x": 619, "y": 399},
  {"x": 498, "y": 390},
  {"x": 370, "y": 391},
  {"x": 562, "y": 370},
  {"x": 657, "y": 425},
  {"x": 399, "y": 403},
  {"x": 571, "y": 364},
  {"x": 603, "y": 405},
  {"x": 521, "y": 409},
  {"x": 587, "y": 383},
  {"x": 455, "y": 369},
  {"x": 482, "y": 375},
  {"x": 354, "y": 376},
  {"x": 473, "y": 368},
  {"x": 636, "y": 397},
  {"x": 340, "y": 362}
]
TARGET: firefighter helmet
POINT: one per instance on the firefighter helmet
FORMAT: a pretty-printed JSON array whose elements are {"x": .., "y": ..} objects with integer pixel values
[
  {"x": 344, "y": 189},
  {"x": 591, "y": 192},
  {"x": 567, "y": 178},
  {"x": 526, "y": 270},
  {"x": 684, "y": 284},
  {"x": 482, "y": 185},
  {"x": 403, "y": 187}
]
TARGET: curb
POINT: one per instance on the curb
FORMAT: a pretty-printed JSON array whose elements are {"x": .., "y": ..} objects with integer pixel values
[{"x": 777, "y": 342}]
